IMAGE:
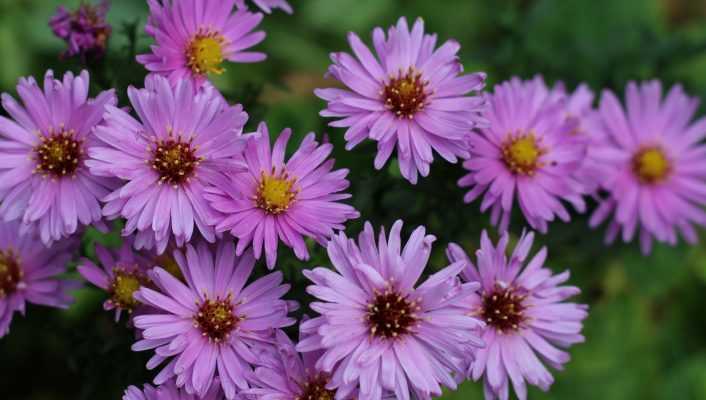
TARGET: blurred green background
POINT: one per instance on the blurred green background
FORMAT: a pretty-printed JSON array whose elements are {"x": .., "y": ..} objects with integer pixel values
[{"x": 646, "y": 334}]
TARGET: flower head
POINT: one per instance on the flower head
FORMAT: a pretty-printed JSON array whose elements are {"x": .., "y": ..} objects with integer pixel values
[
  {"x": 267, "y": 5},
  {"x": 169, "y": 391},
  {"x": 283, "y": 200},
  {"x": 43, "y": 176},
  {"x": 184, "y": 141},
  {"x": 28, "y": 273},
  {"x": 653, "y": 165},
  {"x": 526, "y": 316},
  {"x": 195, "y": 37},
  {"x": 207, "y": 327},
  {"x": 85, "y": 30},
  {"x": 121, "y": 274},
  {"x": 374, "y": 319},
  {"x": 526, "y": 151},
  {"x": 298, "y": 376},
  {"x": 410, "y": 96}
]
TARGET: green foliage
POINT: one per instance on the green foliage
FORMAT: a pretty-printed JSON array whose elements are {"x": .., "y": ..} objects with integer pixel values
[{"x": 645, "y": 334}]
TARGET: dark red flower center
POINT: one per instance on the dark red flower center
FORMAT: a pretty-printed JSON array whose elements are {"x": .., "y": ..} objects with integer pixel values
[
  {"x": 175, "y": 161},
  {"x": 58, "y": 155},
  {"x": 216, "y": 319},
  {"x": 315, "y": 389},
  {"x": 126, "y": 281},
  {"x": 391, "y": 315},
  {"x": 10, "y": 273},
  {"x": 405, "y": 94},
  {"x": 503, "y": 309}
]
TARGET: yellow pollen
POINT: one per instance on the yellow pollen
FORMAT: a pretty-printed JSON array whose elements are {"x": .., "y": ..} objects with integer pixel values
[
  {"x": 521, "y": 154},
  {"x": 204, "y": 54},
  {"x": 651, "y": 165},
  {"x": 274, "y": 193},
  {"x": 123, "y": 286}
]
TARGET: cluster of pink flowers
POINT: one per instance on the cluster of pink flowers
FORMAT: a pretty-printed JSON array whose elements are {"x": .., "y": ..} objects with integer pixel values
[{"x": 202, "y": 201}]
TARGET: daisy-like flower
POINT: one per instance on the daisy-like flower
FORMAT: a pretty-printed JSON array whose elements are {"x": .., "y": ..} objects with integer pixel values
[
  {"x": 526, "y": 151},
  {"x": 526, "y": 316},
  {"x": 410, "y": 96},
  {"x": 207, "y": 327},
  {"x": 186, "y": 139},
  {"x": 286, "y": 374},
  {"x": 268, "y": 5},
  {"x": 29, "y": 273},
  {"x": 43, "y": 175},
  {"x": 85, "y": 30},
  {"x": 654, "y": 165},
  {"x": 283, "y": 200},
  {"x": 121, "y": 274},
  {"x": 380, "y": 332},
  {"x": 169, "y": 391},
  {"x": 195, "y": 37}
]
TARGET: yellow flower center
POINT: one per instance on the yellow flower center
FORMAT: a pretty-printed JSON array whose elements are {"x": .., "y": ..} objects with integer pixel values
[
  {"x": 521, "y": 154},
  {"x": 204, "y": 54},
  {"x": 170, "y": 265},
  {"x": 274, "y": 193},
  {"x": 10, "y": 273},
  {"x": 651, "y": 165},
  {"x": 123, "y": 286}
]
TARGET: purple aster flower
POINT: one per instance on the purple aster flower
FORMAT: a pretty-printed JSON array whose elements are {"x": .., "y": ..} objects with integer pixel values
[
  {"x": 85, "y": 30},
  {"x": 185, "y": 140},
  {"x": 121, "y": 274},
  {"x": 526, "y": 151},
  {"x": 28, "y": 273},
  {"x": 380, "y": 332},
  {"x": 286, "y": 374},
  {"x": 43, "y": 175},
  {"x": 169, "y": 391},
  {"x": 523, "y": 307},
  {"x": 267, "y": 5},
  {"x": 654, "y": 165},
  {"x": 411, "y": 96},
  {"x": 207, "y": 327},
  {"x": 283, "y": 200},
  {"x": 195, "y": 37}
]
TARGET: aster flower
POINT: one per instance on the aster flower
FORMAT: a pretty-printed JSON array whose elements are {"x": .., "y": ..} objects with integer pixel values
[
  {"x": 267, "y": 5},
  {"x": 409, "y": 95},
  {"x": 169, "y": 391},
  {"x": 85, "y": 30},
  {"x": 282, "y": 199},
  {"x": 653, "y": 165},
  {"x": 381, "y": 332},
  {"x": 286, "y": 374},
  {"x": 43, "y": 176},
  {"x": 526, "y": 316},
  {"x": 121, "y": 274},
  {"x": 28, "y": 273},
  {"x": 184, "y": 141},
  {"x": 526, "y": 151},
  {"x": 205, "y": 329},
  {"x": 194, "y": 38}
]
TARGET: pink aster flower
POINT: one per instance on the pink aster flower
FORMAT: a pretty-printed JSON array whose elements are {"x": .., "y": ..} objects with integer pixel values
[
  {"x": 654, "y": 165},
  {"x": 380, "y": 332},
  {"x": 28, "y": 273},
  {"x": 43, "y": 175},
  {"x": 169, "y": 391},
  {"x": 283, "y": 200},
  {"x": 287, "y": 374},
  {"x": 184, "y": 141},
  {"x": 205, "y": 329},
  {"x": 527, "y": 152},
  {"x": 527, "y": 318},
  {"x": 195, "y": 37},
  {"x": 267, "y": 5},
  {"x": 409, "y": 95},
  {"x": 84, "y": 30},
  {"x": 121, "y": 273}
]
